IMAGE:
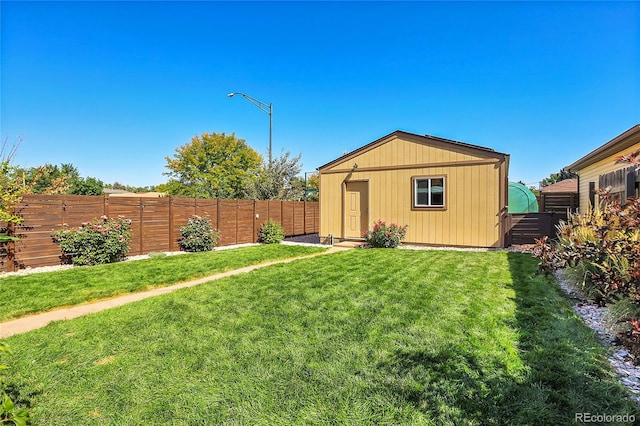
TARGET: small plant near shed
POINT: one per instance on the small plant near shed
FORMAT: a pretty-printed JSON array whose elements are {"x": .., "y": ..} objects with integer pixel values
[
  {"x": 385, "y": 236},
  {"x": 102, "y": 240},
  {"x": 198, "y": 235},
  {"x": 271, "y": 232}
]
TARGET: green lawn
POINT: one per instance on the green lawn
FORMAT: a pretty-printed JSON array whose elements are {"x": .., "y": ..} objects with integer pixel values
[
  {"x": 356, "y": 337},
  {"x": 28, "y": 294}
]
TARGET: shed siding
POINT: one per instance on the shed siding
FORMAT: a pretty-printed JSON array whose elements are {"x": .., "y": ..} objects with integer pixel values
[
  {"x": 592, "y": 172},
  {"x": 473, "y": 197}
]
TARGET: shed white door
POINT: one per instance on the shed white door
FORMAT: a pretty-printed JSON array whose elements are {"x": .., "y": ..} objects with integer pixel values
[{"x": 357, "y": 209}]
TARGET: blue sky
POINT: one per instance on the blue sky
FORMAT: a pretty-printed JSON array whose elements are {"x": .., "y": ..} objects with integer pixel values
[{"x": 115, "y": 87}]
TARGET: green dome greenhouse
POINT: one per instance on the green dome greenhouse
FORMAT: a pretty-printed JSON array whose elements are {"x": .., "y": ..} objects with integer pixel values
[{"x": 521, "y": 199}]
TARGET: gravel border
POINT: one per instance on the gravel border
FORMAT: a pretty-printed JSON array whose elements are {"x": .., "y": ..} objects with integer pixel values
[
  {"x": 595, "y": 317},
  {"x": 41, "y": 269}
]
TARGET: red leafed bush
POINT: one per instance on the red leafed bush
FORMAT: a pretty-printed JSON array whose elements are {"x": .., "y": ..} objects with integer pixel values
[{"x": 385, "y": 235}]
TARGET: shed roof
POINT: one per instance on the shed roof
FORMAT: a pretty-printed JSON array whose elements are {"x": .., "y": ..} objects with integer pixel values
[
  {"x": 423, "y": 138},
  {"x": 615, "y": 145},
  {"x": 567, "y": 185}
]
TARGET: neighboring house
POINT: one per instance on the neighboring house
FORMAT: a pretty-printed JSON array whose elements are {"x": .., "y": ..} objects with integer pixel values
[
  {"x": 122, "y": 193},
  {"x": 449, "y": 193},
  {"x": 567, "y": 185},
  {"x": 112, "y": 192},
  {"x": 599, "y": 170}
]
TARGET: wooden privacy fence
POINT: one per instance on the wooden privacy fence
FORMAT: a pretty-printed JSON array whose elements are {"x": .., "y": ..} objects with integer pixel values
[
  {"x": 558, "y": 202},
  {"x": 156, "y": 222},
  {"x": 624, "y": 182},
  {"x": 525, "y": 228}
]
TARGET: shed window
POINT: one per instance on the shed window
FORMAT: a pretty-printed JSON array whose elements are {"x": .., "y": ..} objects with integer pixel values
[{"x": 428, "y": 192}]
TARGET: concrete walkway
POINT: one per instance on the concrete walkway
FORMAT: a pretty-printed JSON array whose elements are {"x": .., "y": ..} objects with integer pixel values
[{"x": 32, "y": 322}]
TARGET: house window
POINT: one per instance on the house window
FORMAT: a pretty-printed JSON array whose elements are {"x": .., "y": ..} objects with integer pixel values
[{"x": 428, "y": 192}]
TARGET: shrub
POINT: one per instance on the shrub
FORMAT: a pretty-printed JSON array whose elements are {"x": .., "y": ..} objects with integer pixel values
[
  {"x": 198, "y": 235},
  {"x": 385, "y": 236},
  {"x": 102, "y": 240},
  {"x": 271, "y": 232},
  {"x": 604, "y": 244}
]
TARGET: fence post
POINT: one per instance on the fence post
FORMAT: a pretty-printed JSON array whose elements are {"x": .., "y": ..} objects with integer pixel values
[
  {"x": 218, "y": 214},
  {"x": 171, "y": 244},
  {"x": 11, "y": 245},
  {"x": 141, "y": 226},
  {"x": 254, "y": 221},
  {"x": 63, "y": 209}
]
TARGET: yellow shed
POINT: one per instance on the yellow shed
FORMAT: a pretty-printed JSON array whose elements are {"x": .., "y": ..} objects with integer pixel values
[
  {"x": 449, "y": 193},
  {"x": 599, "y": 170}
]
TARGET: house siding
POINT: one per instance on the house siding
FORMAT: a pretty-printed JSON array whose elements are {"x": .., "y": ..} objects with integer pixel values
[{"x": 474, "y": 191}]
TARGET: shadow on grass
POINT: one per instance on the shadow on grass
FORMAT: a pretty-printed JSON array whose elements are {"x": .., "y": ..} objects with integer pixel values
[
  {"x": 568, "y": 369},
  {"x": 564, "y": 372}
]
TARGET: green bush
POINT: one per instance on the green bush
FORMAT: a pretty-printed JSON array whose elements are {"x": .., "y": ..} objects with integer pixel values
[
  {"x": 385, "y": 236},
  {"x": 271, "y": 232},
  {"x": 102, "y": 240},
  {"x": 198, "y": 235}
]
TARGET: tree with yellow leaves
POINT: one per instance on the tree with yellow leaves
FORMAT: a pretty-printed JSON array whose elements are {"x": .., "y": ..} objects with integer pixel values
[{"x": 212, "y": 165}]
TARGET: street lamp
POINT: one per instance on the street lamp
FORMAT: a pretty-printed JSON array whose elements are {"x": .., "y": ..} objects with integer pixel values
[{"x": 264, "y": 107}]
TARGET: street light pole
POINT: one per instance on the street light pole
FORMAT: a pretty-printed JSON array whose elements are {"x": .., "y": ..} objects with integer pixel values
[{"x": 264, "y": 107}]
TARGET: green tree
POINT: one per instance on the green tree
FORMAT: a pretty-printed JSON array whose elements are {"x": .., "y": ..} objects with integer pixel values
[
  {"x": 297, "y": 186},
  {"x": 116, "y": 185},
  {"x": 557, "y": 177},
  {"x": 49, "y": 178},
  {"x": 313, "y": 187},
  {"x": 86, "y": 186},
  {"x": 130, "y": 188},
  {"x": 63, "y": 179},
  {"x": 212, "y": 165},
  {"x": 277, "y": 180}
]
